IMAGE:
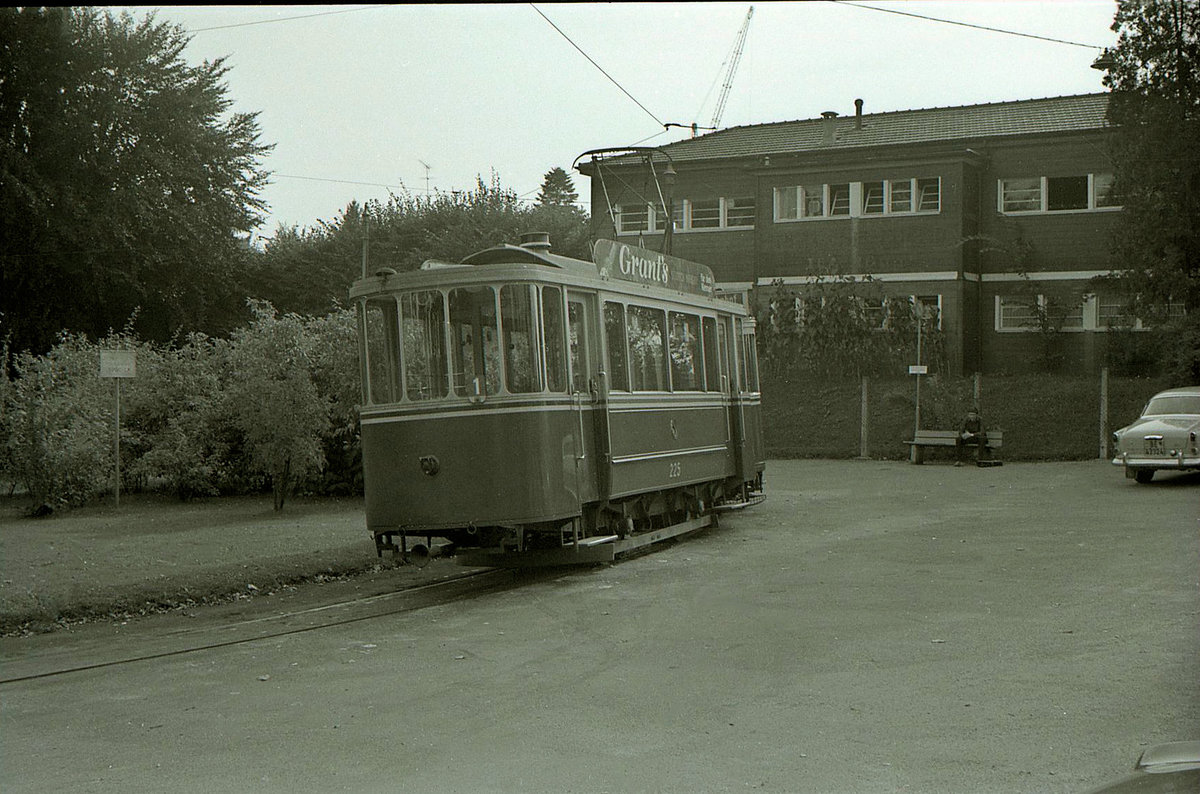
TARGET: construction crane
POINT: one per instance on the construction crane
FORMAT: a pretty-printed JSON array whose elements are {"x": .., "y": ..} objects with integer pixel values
[{"x": 735, "y": 58}]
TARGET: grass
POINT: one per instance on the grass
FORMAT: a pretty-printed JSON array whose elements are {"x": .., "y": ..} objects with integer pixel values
[{"x": 154, "y": 553}]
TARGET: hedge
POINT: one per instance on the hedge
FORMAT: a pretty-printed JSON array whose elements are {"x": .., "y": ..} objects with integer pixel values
[{"x": 1044, "y": 417}]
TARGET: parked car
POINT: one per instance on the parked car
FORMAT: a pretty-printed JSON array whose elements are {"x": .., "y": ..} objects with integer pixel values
[
  {"x": 1161, "y": 769},
  {"x": 1163, "y": 438}
]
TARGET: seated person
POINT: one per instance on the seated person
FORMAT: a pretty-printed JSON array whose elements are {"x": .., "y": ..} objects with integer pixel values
[{"x": 972, "y": 434}]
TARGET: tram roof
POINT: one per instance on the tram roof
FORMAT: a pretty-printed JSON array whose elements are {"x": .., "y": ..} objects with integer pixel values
[
  {"x": 614, "y": 263},
  {"x": 507, "y": 254}
]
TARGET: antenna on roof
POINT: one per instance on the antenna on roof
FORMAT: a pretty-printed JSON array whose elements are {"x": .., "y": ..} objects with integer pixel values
[{"x": 422, "y": 162}]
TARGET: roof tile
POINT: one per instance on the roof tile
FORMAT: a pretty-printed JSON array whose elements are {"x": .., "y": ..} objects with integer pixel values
[{"x": 1025, "y": 117}]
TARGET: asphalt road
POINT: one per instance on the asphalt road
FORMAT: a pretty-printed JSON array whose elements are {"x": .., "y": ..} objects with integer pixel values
[{"x": 871, "y": 627}]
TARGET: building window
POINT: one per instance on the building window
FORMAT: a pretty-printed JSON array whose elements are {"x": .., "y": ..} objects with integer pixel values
[
  {"x": 643, "y": 218},
  {"x": 813, "y": 200},
  {"x": 900, "y": 195},
  {"x": 929, "y": 192},
  {"x": 872, "y": 198},
  {"x": 1110, "y": 311},
  {"x": 1066, "y": 193},
  {"x": 787, "y": 203},
  {"x": 717, "y": 213},
  {"x": 1102, "y": 187},
  {"x": 1077, "y": 193},
  {"x": 839, "y": 199},
  {"x": 1016, "y": 314},
  {"x": 633, "y": 218},
  {"x": 858, "y": 199},
  {"x": 739, "y": 211},
  {"x": 1113, "y": 312},
  {"x": 1021, "y": 195},
  {"x": 705, "y": 214}
]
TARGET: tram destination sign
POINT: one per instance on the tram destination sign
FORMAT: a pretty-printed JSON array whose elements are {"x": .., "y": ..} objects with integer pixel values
[{"x": 643, "y": 266}]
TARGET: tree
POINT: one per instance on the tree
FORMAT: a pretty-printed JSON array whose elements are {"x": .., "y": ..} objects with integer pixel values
[
  {"x": 273, "y": 397},
  {"x": 557, "y": 189},
  {"x": 125, "y": 179},
  {"x": 310, "y": 270},
  {"x": 1155, "y": 107}
]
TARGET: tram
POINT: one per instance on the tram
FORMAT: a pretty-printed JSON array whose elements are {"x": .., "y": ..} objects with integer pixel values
[{"x": 531, "y": 408}]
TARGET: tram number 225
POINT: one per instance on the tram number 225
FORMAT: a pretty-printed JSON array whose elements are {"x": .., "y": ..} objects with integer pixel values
[{"x": 674, "y": 469}]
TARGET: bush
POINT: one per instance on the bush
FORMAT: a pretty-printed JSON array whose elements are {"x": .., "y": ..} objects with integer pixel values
[{"x": 58, "y": 423}]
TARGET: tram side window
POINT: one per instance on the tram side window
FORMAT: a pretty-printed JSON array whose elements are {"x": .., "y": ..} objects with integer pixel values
[
  {"x": 552, "y": 327},
  {"x": 474, "y": 340},
  {"x": 381, "y": 325},
  {"x": 614, "y": 339},
  {"x": 521, "y": 371},
  {"x": 422, "y": 320},
  {"x": 687, "y": 368},
  {"x": 647, "y": 330},
  {"x": 712, "y": 374},
  {"x": 577, "y": 339},
  {"x": 741, "y": 350}
]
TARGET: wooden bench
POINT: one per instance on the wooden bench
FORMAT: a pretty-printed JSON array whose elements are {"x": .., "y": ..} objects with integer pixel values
[{"x": 952, "y": 439}]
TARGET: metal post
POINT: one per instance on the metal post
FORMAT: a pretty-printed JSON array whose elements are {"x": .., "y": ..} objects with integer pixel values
[
  {"x": 117, "y": 447},
  {"x": 920, "y": 322},
  {"x": 1103, "y": 413},
  {"x": 864, "y": 444}
]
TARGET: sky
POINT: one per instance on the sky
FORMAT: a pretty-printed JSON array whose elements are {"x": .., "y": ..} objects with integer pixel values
[{"x": 365, "y": 101}]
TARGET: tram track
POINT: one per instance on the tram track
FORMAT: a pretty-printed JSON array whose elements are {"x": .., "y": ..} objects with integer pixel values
[{"x": 266, "y": 627}]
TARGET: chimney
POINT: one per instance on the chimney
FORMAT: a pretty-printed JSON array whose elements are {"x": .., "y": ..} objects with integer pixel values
[
  {"x": 858, "y": 106},
  {"x": 827, "y": 126}
]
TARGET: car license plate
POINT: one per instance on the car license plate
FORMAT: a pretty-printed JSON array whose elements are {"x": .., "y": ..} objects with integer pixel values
[{"x": 1154, "y": 445}]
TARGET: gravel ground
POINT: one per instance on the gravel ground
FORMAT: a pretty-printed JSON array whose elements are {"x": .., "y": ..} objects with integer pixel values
[{"x": 871, "y": 627}]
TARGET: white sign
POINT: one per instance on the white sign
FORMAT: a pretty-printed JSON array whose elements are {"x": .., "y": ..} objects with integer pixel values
[
  {"x": 918, "y": 369},
  {"x": 118, "y": 363}
]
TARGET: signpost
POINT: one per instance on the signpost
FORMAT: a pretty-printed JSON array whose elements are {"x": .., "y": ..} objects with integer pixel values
[
  {"x": 918, "y": 370},
  {"x": 117, "y": 364}
]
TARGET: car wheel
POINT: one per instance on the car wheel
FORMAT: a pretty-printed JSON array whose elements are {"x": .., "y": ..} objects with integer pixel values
[{"x": 1144, "y": 475}]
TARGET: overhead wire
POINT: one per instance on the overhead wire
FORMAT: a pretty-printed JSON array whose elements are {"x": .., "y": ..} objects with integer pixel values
[
  {"x": 598, "y": 66},
  {"x": 286, "y": 19},
  {"x": 966, "y": 24}
]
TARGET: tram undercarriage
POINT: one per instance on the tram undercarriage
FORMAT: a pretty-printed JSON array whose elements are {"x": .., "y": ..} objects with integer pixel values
[{"x": 603, "y": 531}]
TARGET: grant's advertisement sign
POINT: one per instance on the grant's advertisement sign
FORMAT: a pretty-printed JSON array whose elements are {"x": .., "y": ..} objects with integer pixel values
[{"x": 643, "y": 266}]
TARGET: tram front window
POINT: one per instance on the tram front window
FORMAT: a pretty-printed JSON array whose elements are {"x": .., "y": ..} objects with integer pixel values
[
  {"x": 521, "y": 371},
  {"x": 475, "y": 341},
  {"x": 422, "y": 319},
  {"x": 380, "y": 330},
  {"x": 552, "y": 327}
]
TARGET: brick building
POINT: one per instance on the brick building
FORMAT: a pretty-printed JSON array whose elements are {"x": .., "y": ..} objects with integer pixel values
[{"x": 987, "y": 214}]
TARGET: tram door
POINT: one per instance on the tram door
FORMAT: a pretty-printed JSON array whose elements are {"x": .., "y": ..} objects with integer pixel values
[
  {"x": 586, "y": 400},
  {"x": 733, "y": 389}
]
